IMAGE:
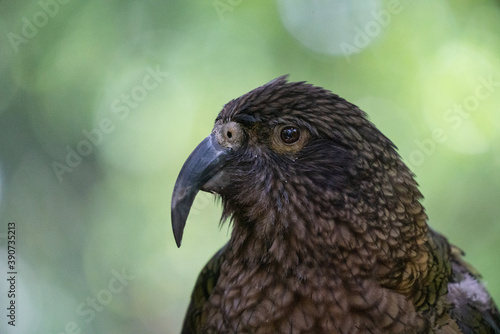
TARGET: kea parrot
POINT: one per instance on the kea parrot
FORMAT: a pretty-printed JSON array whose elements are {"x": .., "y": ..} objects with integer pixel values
[{"x": 329, "y": 234}]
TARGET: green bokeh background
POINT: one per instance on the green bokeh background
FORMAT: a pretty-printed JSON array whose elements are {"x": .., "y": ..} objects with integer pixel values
[{"x": 66, "y": 67}]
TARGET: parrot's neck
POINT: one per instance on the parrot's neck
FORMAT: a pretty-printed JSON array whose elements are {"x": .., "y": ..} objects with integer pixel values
[
  {"x": 287, "y": 275},
  {"x": 356, "y": 240}
]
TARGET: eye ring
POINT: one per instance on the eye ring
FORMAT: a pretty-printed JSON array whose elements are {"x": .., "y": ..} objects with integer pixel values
[{"x": 290, "y": 134}]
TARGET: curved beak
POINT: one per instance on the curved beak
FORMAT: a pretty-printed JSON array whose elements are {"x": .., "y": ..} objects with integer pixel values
[{"x": 202, "y": 165}]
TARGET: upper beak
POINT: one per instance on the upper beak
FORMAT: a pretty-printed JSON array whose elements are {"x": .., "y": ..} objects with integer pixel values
[{"x": 202, "y": 165}]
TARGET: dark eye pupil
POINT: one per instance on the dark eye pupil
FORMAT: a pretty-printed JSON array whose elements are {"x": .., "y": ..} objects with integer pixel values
[{"x": 290, "y": 134}]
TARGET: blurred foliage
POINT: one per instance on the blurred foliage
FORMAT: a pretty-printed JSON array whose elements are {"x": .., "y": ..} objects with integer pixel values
[{"x": 101, "y": 103}]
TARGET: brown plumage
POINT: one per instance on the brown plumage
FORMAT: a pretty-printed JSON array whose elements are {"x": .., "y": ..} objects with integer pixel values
[{"x": 329, "y": 235}]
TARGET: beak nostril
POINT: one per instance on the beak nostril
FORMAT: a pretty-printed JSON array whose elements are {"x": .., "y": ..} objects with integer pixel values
[{"x": 229, "y": 134}]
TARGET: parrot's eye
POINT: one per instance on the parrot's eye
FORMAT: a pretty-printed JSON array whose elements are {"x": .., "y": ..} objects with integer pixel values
[
  {"x": 290, "y": 134},
  {"x": 289, "y": 138}
]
